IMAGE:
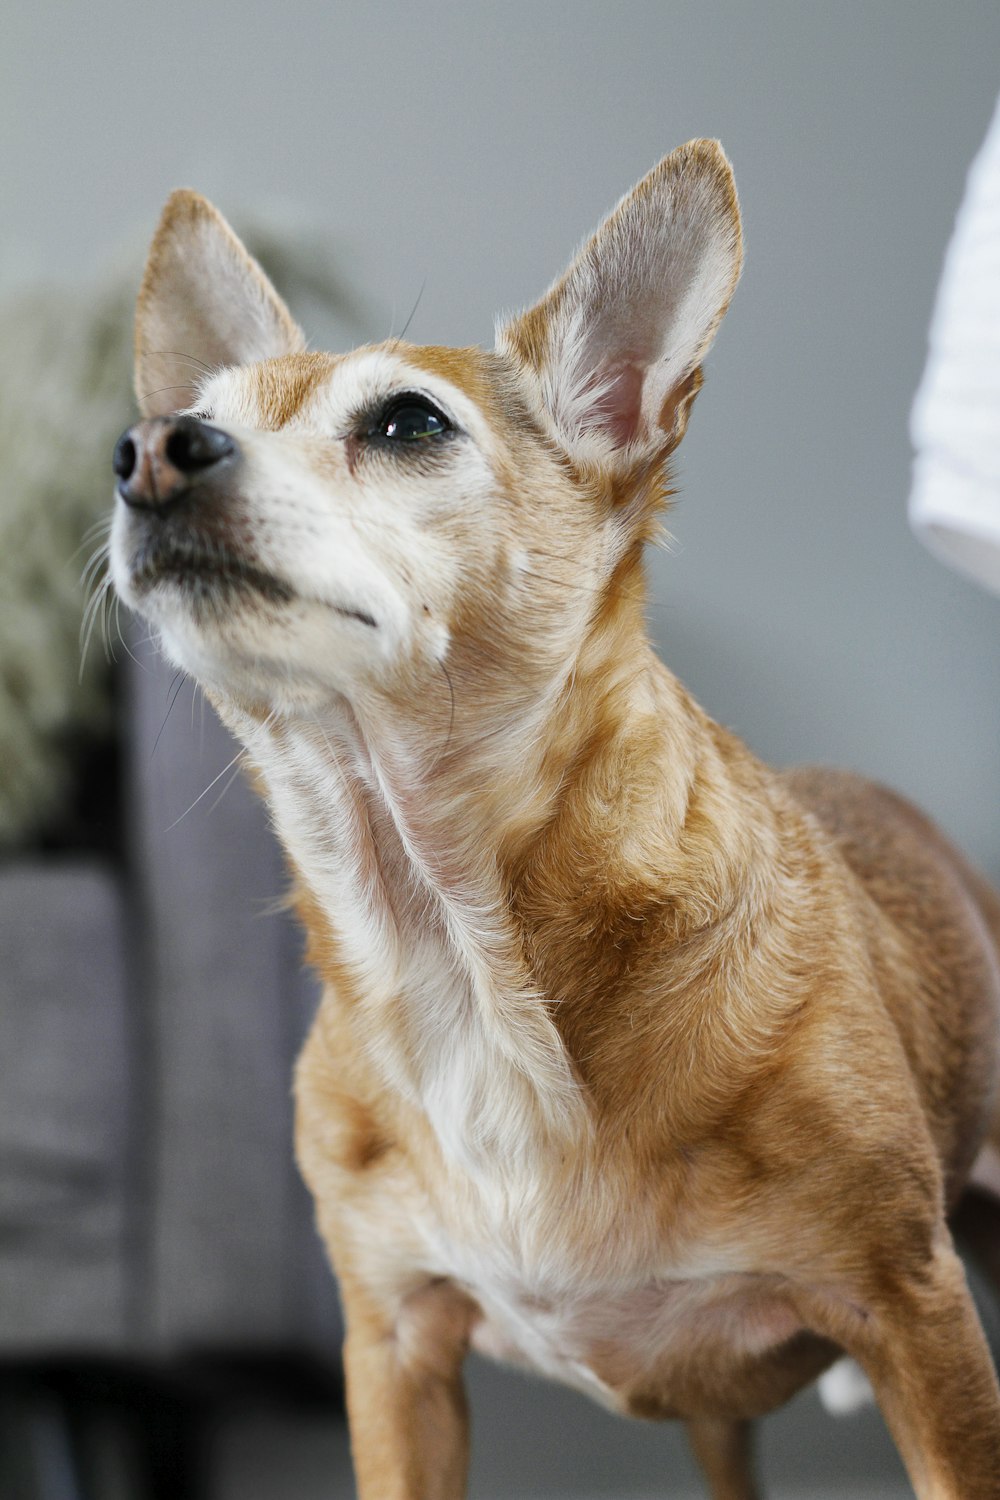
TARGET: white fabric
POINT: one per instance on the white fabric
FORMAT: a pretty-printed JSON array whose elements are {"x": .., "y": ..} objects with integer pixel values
[{"x": 955, "y": 499}]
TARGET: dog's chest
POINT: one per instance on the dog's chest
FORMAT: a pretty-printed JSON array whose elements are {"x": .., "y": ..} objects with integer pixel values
[{"x": 618, "y": 1331}]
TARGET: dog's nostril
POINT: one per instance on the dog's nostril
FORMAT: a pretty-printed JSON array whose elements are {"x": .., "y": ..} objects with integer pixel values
[
  {"x": 163, "y": 460},
  {"x": 193, "y": 445},
  {"x": 125, "y": 456}
]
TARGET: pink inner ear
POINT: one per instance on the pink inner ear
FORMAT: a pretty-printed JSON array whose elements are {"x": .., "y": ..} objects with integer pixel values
[{"x": 618, "y": 409}]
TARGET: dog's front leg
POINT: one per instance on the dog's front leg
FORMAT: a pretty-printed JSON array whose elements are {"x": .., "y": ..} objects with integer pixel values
[
  {"x": 920, "y": 1341},
  {"x": 405, "y": 1399},
  {"x": 724, "y": 1449}
]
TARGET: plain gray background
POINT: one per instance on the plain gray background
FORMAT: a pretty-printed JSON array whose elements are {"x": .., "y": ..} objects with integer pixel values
[
  {"x": 460, "y": 152},
  {"x": 466, "y": 149}
]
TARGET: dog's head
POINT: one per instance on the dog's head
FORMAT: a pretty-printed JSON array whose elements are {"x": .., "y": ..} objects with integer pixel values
[{"x": 299, "y": 525}]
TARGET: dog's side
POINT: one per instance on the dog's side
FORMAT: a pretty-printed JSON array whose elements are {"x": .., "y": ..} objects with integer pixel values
[{"x": 638, "y": 1063}]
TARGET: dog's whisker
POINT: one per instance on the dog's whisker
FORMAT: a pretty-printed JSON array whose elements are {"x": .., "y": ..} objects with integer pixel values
[
  {"x": 175, "y": 688},
  {"x": 92, "y": 612},
  {"x": 96, "y": 561},
  {"x": 451, "y": 720},
  {"x": 112, "y": 625},
  {"x": 107, "y": 612},
  {"x": 191, "y": 359},
  {"x": 222, "y": 794},
  {"x": 562, "y": 583},
  {"x": 103, "y": 523},
  {"x": 121, "y": 634},
  {"x": 160, "y": 389},
  {"x": 638, "y": 595},
  {"x": 593, "y": 589},
  {"x": 215, "y": 779},
  {"x": 103, "y": 526},
  {"x": 413, "y": 311}
]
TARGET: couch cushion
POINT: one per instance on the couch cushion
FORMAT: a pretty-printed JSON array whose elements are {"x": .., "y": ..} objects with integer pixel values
[
  {"x": 234, "y": 1257},
  {"x": 64, "y": 1107}
]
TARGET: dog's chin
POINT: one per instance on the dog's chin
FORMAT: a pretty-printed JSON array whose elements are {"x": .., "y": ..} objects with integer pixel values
[
  {"x": 250, "y": 639},
  {"x": 239, "y": 629}
]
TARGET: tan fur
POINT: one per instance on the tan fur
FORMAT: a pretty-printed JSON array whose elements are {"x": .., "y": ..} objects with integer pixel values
[
  {"x": 166, "y": 373},
  {"x": 723, "y": 1040}
]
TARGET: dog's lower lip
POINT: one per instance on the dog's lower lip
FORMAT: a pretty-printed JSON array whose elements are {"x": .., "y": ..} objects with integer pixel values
[
  {"x": 183, "y": 567},
  {"x": 184, "y": 564},
  {"x": 350, "y": 613}
]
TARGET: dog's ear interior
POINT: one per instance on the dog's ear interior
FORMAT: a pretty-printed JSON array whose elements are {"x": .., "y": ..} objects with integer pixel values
[
  {"x": 615, "y": 347},
  {"x": 204, "y": 303}
]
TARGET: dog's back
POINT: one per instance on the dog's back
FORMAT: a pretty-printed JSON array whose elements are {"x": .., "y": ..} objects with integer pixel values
[{"x": 948, "y": 917}]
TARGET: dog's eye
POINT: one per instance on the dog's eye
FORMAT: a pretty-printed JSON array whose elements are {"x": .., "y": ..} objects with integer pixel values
[{"x": 412, "y": 419}]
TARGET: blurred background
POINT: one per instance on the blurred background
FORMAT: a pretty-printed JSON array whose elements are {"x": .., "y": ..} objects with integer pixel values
[{"x": 167, "y": 1325}]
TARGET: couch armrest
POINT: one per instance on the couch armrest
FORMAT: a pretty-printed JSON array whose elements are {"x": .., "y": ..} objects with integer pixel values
[
  {"x": 66, "y": 1189},
  {"x": 233, "y": 1255}
]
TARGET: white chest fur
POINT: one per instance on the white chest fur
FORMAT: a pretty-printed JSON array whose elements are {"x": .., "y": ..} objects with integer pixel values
[
  {"x": 609, "y": 1331},
  {"x": 449, "y": 1019},
  {"x": 592, "y": 1300}
]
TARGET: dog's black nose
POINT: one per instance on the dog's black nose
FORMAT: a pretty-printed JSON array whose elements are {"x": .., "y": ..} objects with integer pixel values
[{"x": 158, "y": 461}]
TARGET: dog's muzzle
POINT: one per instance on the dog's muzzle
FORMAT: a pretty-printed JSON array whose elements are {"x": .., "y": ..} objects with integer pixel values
[{"x": 160, "y": 461}]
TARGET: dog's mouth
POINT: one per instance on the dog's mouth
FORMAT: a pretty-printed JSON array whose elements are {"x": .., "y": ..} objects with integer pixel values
[
  {"x": 207, "y": 571},
  {"x": 202, "y": 569}
]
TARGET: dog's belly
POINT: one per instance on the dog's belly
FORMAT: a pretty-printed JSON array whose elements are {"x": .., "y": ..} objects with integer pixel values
[{"x": 730, "y": 1345}]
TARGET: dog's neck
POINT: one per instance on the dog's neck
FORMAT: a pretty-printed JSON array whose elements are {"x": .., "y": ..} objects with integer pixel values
[{"x": 435, "y": 864}]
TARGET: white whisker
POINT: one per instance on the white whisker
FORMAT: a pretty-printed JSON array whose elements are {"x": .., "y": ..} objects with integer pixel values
[
  {"x": 237, "y": 757},
  {"x": 96, "y": 605}
]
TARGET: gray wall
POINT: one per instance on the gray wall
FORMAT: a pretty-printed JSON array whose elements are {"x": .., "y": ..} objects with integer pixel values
[{"x": 464, "y": 149}]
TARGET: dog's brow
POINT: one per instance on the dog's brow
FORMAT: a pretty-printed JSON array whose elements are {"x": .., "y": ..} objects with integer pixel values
[
  {"x": 472, "y": 371},
  {"x": 281, "y": 387},
  {"x": 464, "y": 368}
]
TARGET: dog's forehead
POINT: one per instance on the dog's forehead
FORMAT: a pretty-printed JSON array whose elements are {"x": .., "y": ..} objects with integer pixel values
[
  {"x": 269, "y": 394},
  {"x": 296, "y": 390}
]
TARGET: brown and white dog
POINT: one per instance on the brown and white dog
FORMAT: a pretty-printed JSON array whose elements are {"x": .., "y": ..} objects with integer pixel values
[{"x": 640, "y": 1064}]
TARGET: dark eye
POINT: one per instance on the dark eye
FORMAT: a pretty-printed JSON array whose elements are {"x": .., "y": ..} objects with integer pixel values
[{"x": 412, "y": 419}]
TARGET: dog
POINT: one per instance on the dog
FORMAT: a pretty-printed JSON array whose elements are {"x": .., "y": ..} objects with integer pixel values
[{"x": 638, "y": 1064}]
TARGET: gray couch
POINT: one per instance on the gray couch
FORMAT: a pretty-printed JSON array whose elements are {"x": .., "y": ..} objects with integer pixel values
[{"x": 151, "y": 1006}]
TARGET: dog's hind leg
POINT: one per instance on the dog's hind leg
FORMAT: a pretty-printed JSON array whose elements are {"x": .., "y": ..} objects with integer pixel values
[
  {"x": 723, "y": 1447},
  {"x": 975, "y": 1220},
  {"x": 975, "y": 1224}
]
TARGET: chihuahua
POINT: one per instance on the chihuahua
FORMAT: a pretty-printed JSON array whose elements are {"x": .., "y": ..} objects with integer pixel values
[{"x": 638, "y": 1064}]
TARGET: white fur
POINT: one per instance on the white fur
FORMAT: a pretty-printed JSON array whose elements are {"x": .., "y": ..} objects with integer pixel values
[
  {"x": 375, "y": 550},
  {"x": 478, "y": 1057}
]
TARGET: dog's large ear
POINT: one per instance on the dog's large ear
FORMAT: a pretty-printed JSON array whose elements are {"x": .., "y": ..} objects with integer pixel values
[
  {"x": 615, "y": 347},
  {"x": 204, "y": 303}
]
